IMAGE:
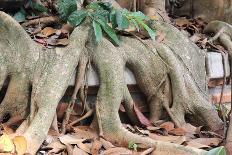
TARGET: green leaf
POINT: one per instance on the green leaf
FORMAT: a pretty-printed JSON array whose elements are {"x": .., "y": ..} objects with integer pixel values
[
  {"x": 113, "y": 18},
  {"x": 99, "y": 6},
  {"x": 138, "y": 15},
  {"x": 135, "y": 24},
  {"x": 148, "y": 29},
  {"x": 97, "y": 31},
  {"x": 132, "y": 146},
  {"x": 77, "y": 17},
  {"x": 66, "y": 7},
  {"x": 217, "y": 151},
  {"x": 101, "y": 14},
  {"x": 122, "y": 20},
  {"x": 109, "y": 31},
  {"x": 39, "y": 7},
  {"x": 20, "y": 16}
]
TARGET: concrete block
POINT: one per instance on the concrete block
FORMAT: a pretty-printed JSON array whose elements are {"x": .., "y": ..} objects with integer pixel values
[{"x": 214, "y": 65}]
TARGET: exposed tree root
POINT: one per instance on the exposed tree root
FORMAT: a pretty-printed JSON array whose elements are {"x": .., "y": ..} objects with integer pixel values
[
  {"x": 223, "y": 33},
  {"x": 78, "y": 83},
  {"x": 17, "y": 92},
  {"x": 171, "y": 74}
]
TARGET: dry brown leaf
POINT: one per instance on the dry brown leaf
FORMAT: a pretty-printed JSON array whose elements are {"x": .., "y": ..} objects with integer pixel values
[
  {"x": 167, "y": 126},
  {"x": 96, "y": 147},
  {"x": 85, "y": 132},
  {"x": 178, "y": 132},
  {"x": 55, "y": 147},
  {"x": 207, "y": 141},
  {"x": 77, "y": 151},
  {"x": 70, "y": 139},
  {"x": 182, "y": 22},
  {"x": 62, "y": 42},
  {"x": 69, "y": 149},
  {"x": 85, "y": 147},
  {"x": 47, "y": 31},
  {"x": 197, "y": 145},
  {"x": 106, "y": 144},
  {"x": 142, "y": 119},
  {"x": 189, "y": 128},
  {"x": 168, "y": 138},
  {"x": 117, "y": 151},
  {"x": 153, "y": 128},
  {"x": 20, "y": 143}
]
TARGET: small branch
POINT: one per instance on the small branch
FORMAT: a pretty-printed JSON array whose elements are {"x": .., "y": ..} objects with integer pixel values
[
  {"x": 88, "y": 114},
  {"x": 222, "y": 109},
  {"x": 78, "y": 83},
  {"x": 44, "y": 21}
]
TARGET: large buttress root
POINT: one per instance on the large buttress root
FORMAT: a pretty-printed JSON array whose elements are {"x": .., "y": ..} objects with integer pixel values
[
  {"x": 110, "y": 95},
  {"x": 223, "y": 33},
  {"x": 16, "y": 99}
]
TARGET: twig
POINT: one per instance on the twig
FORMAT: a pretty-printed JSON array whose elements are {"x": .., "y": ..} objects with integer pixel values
[
  {"x": 88, "y": 114},
  {"x": 78, "y": 83},
  {"x": 44, "y": 21},
  {"x": 222, "y": 109}
]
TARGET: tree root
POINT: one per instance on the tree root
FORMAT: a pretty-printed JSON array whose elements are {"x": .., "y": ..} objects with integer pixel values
[
  {"x": 78, "y": 83},
  {"x": 175, "y": 85},
  {"x": 17, "y": 92},
  {"x": 223, "y": 33}
]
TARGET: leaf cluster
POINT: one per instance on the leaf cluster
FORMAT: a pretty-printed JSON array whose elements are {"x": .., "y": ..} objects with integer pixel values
[{"x": 104, "y": 18}]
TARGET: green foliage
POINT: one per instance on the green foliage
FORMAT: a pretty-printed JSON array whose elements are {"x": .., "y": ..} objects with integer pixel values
[
  {"x": 217, "y": 151},
  {"x": 20, "y": 16},
  {"x": 77, "y": 17},
  {"x": 132, "y": 146},
  {"x": 66, "y": 8},
  {"x": 105, "y": 19}
]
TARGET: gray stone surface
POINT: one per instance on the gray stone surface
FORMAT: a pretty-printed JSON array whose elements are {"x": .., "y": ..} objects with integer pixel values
[
  {"x": 214, "y": 65},
  {"x": 214, "y": 68}
]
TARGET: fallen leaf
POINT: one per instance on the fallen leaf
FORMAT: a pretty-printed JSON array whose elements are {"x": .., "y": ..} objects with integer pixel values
[
  {"x": 85, "y": 132},
  {"x": 70, "y": 139},
  {"x": 106, "y": 144},
  {"x": 6, "y": 143},
  {"x": 85, "y": 147},
  {"x": 142, "y": 119},
  {"x": 55, "y": 147},
  {"x": 168, "y": 138},
  {"x": 78, "y": 151},
  {"x": 153, "y": 128},
  {"x": 96, "y": 147},
  {"x": 167, "y": 126},
  {"x": 62, "y": 42},
  {"x": 117, "y": 151},
  {"x": 178, "y": 132},
  {"x": 141, "y": 131},
  {"x": 207, "y": 141},
  {"x": 197, "y": 145},
  {"x": 20, "y": 144},
  {"x": 182, "y": 22},
  {"x": 189, "y": 128},
  {"x": 48, "y": 31}
]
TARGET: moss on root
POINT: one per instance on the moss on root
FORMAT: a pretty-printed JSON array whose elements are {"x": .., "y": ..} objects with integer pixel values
[{"x": 171, "y": 72}]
